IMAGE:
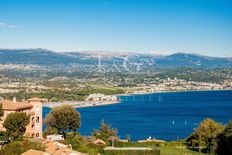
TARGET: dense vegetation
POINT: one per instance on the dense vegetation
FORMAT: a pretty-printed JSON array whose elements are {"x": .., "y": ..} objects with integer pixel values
[
  {"x": 62, "y": 95},
  {"x": 15, "y": 124},
  {"x": 106, "y": 133},
  {"x": 224, "y": 141},
  {"x": 19, "y": 146},
  {"x": 132, "y": 152},
  {"x": 212, "y": 136}
]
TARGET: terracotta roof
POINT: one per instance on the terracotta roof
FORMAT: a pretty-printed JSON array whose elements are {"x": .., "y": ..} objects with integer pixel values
[
  {"x": 10, "y": 105},
  {"x": 35, "y": 152},
  {"x": 56, "y": 148},
  {"x": 35, "y": 99}
]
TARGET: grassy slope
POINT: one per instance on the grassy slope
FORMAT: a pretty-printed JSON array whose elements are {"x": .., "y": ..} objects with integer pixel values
[{"x": 166, "y": 150}]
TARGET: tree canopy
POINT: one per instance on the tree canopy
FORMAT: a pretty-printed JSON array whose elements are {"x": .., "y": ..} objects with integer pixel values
[
  {"x": 106, "y": 132},
  {"x": 20, "y": 146},
  {"x": 225, "y": 141},
  {"x": 15, "y": 124},
  {"x": 63, "y": 118},
  {"x": 208, "y": 130}
]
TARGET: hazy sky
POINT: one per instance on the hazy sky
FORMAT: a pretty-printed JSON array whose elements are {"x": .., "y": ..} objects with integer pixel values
[{"x": 162, "y": 26}]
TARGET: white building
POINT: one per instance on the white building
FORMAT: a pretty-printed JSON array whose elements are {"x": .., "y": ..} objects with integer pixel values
[{"x": 101, "y": 97}]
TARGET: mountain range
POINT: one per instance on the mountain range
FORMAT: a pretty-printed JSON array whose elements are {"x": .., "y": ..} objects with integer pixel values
[{"x": 48, "y": 57}]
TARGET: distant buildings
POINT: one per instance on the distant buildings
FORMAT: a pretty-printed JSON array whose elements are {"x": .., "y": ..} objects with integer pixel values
[
  {"x": 33, "y": 107},
  {"x": 101, "y": 97}
]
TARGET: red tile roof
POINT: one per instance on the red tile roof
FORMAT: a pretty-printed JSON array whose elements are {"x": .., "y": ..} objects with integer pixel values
[{"x": 10, "y": 105}]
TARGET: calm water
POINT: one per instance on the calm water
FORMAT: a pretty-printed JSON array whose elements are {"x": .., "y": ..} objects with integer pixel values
[{"x": 167, "y": 116}]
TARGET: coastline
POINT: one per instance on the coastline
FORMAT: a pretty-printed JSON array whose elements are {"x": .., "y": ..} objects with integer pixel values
[
  {"x": 80, "y": 104},
  {"x": 101, "y": 104},
  {"x": 86, "y": 104},
  {"x": 180, "y": 91}
]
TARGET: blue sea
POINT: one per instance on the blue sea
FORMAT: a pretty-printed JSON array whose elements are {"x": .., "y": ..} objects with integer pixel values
[{"x": 167, "y": 116}]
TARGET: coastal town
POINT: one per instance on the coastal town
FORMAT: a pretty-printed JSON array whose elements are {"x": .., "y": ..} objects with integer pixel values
[
  {"x": 115, "y": 77},
  {"x": 180, "y": 85},
  {"x": 92, "y": 100},
  {"x": 16, "y": 85},
  {"x": 10, "y": 87}
]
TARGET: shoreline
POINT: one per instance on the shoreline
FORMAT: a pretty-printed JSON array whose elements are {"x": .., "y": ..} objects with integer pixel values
[
  {"x": 86, "y": 104},
  {"x": 80, "y": 104},
  {"x": 101, "y": 104},
  {"x": 180, "y": 91}
]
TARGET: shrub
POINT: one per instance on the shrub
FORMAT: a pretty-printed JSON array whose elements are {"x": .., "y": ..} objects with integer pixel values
[
  {"x": 18, "y": 147},
  {"x": 132, "y": 152}
]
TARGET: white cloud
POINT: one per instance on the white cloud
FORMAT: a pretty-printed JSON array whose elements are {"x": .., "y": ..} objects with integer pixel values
[
  {"x": 2, "y": 24},
  {"x": 8, "y": 26}
]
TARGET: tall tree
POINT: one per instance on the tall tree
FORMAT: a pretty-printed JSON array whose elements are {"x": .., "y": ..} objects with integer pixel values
[
  {"x": 224, "y": 142},
  {"x": 63, "y": 118},
  {"x": 106, "y": 132},
  {"x": 207, "y": 131},
  {"x": 15, "y": 124}
]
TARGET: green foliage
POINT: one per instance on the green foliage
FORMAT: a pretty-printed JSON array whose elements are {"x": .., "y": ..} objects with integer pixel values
[
  {"x": 18, "y": 147},
  {"x": 106, "y": 133},
  {"x": 50, "y": 131},
  {"x": 208, "y": 130},
  {"x": 132, "y": 152},
  {"x": 78, "y": 144},
  {"x": 63, "y": 95},
  {"x": 100, "y": 90},
  {"x": 54, "y": 99},
  {"x": 170, "y": 150},
  {"x": 166, "y": 148},
  {"x": 225, "y": 141},
  {"x": 63, "y": 118},
  {"x": 194, "y": 142},
  {"x": 3, "y": 136},
  {"x": 137, "y": 144},
  {"x": 15, "y": 124},
  {"x": 75, "y": 139},
  {"x": 195, "y": 74}
]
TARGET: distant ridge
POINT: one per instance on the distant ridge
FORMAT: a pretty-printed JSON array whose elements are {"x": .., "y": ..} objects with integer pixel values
[{"x": 48, "y": 57}]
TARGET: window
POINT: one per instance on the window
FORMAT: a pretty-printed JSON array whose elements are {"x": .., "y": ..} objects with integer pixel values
[
  {"x": 37, "y": 135},
  {"x": 37, "y": 119}
]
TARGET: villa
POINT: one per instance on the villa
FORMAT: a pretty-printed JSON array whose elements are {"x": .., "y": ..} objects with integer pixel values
[{"x": 33, "y": 107}]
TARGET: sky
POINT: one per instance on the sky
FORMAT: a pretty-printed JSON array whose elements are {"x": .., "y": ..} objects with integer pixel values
[{"x": 146, "y": 26}]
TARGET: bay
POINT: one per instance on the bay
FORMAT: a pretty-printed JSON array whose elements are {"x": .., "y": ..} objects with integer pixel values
[{"x": 168, "y": 116}]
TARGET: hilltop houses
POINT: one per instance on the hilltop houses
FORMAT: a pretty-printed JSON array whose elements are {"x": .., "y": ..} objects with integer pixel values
[{"x": 33, "y": 107}]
